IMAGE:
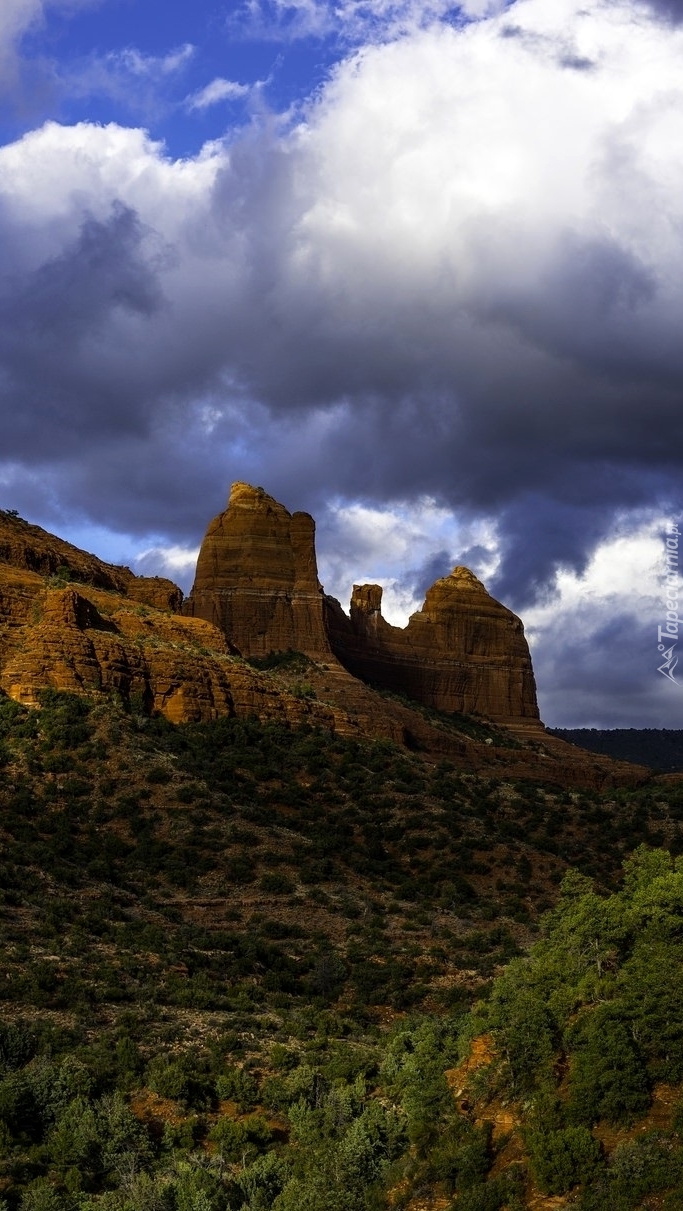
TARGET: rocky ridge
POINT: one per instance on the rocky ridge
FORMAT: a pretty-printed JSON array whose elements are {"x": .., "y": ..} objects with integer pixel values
[{"x": 69, "y": 621}]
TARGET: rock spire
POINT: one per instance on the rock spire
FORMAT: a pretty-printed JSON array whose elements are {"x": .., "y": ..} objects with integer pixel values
[{"x": 257, "y": 577}]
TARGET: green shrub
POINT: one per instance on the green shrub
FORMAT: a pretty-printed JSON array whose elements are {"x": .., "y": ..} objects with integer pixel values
[
  {"x": 181, "y": 1078},
  {"x": 607, "y": 1077},
  {"x": 561, "y": 1159},
  {"x": 277, "y": 883},
  {"x": 237, "y": 1085}
]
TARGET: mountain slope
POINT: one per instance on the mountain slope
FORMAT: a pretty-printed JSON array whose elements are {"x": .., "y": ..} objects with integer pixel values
[{"x": 232, "y": 953}]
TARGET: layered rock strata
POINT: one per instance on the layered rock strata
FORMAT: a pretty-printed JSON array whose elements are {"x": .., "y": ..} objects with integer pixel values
[
  {"x": 257, "y": 581},
  {"x": 462, "y": 652},
  {"x": 72, "y": 622},
  {"x": 257, "y": 578},
  {"x": 87, "y": 640},
  {"x": 29, "y": 548}
]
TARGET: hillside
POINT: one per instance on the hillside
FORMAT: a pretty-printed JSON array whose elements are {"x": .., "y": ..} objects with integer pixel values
[
  {"x": 274, "y": 937},
  {"x": 659, "y": 748},
  {"x": 238, "y": 958}
]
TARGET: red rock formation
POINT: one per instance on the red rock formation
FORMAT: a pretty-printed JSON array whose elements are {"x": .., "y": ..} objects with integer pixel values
[
  {"x": 28, "y": 547},
  {"x": 257, "y": 581},
  {"x": 257, "y": 577},
  {"x": 155, "y": 591},
  {"x": 102, "y": 632},
  {"x": 462, "y": 652},
  {"x": 175, "y": 666}
]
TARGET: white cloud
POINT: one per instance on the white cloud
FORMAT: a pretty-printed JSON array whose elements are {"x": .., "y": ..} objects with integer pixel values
[
  {"x": 596, "y": 639},
  {"x": 624, "y": 572},
  {"x": 143, "y": 83},
  {"x": 394, "y": 546},
  {"x": 134, "y": 61},
  {"x": 15, "y": 17},
  {"x": 175, "y": 562},
  {"x": 18, "y": 17},
  {"x": 218, "y": 90}
]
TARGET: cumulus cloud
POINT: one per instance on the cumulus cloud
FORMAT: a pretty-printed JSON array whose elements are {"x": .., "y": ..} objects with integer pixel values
[
  {"x": 175, "y": 562},
  {"x": 457, "y": 277},
  {"x": 405, "y": 548},
  {"x": 594, "y": 643}
]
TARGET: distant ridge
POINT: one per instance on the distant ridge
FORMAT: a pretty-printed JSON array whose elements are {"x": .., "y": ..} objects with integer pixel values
[{"x": 660, "y": 748}]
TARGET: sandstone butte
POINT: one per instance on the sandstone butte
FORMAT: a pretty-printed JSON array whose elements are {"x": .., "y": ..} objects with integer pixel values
[
  {"x": 257, "y": 580},
  {"x": 70, "y": 621}
]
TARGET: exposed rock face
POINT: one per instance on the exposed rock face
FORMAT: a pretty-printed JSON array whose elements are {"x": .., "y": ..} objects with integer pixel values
[
  {"x": 463, "y": 651},
  {"x": 103, "y": 631},
  {"x": 257, "y": 577},
  {"x": 155, "y": 591},
  {"x": 86, "y": 640},
  {"x": 31, "y": 549},
  {"x": 257, "y": 581},
  {"x": 69, "y": 621}
]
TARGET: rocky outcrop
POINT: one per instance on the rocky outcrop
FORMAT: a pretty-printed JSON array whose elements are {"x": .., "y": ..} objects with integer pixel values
[
  {"x": 462, "y": 652},
  {"x": 93, "y": 640},
  {"x": 29, "y": 548},
  {"x": 155, "y": 591},
  {"x": 257, "y": 581},
  {"x": 257, "y": 578},
  {"x": 102, "y": 630},
  {"x": 70, "y": 621}
]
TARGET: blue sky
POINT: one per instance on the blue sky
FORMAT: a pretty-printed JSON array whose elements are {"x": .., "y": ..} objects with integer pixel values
[
  {"x": 413, "y": 266},
  {"x": 142, "y": 61},
  {"x": 152, "y": 61}
]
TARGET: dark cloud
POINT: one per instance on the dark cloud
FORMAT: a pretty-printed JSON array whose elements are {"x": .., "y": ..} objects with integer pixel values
[
  {"x": 422, "y": 578},
  {"x": 599, "y": 673},
  {"x": 55, "y": 320},
  {"x": 670, "y": 10}
]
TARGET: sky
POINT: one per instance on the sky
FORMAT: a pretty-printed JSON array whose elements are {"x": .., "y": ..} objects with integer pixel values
[{"x": 416, "y": 268}]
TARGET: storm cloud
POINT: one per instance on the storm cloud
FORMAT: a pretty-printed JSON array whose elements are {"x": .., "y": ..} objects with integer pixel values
[{"x": 457, "y": 274}]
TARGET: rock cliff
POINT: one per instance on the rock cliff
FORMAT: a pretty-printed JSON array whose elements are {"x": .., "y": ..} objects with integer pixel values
[
  {"x": 257, "y": 581},
  {"x": 69, "y": 621},
  {"x": 257, "y": 578},
  {"x": 29, "y": 548},
  {"x": 462, "y": 652}
]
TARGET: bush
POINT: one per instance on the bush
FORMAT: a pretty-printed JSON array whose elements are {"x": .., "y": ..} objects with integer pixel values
[
  {"x": 277, "y": 883},
  {"x": 240, "y": 1140},
  {"x": 237, "y": 1085},
  {"x": 180, "y": 1078},
  {"x": 561, "y": 1159},
  {"x": 607, "y": 1077}
]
